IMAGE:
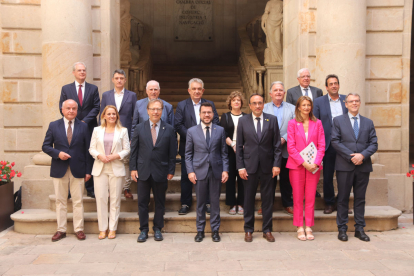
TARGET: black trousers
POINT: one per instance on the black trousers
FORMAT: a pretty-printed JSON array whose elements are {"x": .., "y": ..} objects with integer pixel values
[
  {"x": 359, "y": 182},
  {"x": 285, "y": 186},
  {"x": 234, "y": 178},
  {"x": 158, "y": 189},
  {"x": 266, "y": 189},
  {"x": 328, "y": 173},
  {"x": 187, "y": 186}
]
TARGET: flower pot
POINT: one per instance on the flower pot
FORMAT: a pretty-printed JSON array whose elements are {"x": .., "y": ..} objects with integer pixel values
[{"x": 6, "y": 204}]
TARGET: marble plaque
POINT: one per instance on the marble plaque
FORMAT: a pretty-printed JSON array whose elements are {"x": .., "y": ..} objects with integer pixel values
[{"x": 193, "y": 20}]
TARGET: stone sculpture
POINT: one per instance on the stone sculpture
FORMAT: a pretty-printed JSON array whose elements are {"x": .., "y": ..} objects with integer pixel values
[
  {"x": 126, "y": 56},
  {"x": 272, "y": 25}
]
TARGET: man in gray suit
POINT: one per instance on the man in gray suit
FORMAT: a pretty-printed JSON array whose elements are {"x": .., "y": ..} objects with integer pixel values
[
  {"x": 207, "y": 167},
  {"x": 284, "y": 112},
  {"x": 354, "y": 139},
  {"x": 303, "y": 89}
]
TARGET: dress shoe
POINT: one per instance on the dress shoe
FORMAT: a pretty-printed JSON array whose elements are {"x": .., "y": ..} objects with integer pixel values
[
  {"x": 288, "y": 210},
  {"x": 269, "y": 237},
  {"x": 158, "y": 235},
  {"x": 329, "y": 209},
  {"x": 208, "y": 209},
  {"x": 199, "y": 237},
  {"x": 362, "y": 236},
  {"x": 260, "y": 212},
  {"x": 317, "y": 194},
  {"x": 342, "y": 236},
  {"x": 215, "y": 236},
  {"x": 58, "y": 236},
  {"x": 248, "y": 237},
  {"x": 127, "y": 194},
  {"x": 184, "y": 210},
  {"x": 91, "y": 194},
  {"x": 80, "y": 235},
  {"x": 143, "y": 236}
]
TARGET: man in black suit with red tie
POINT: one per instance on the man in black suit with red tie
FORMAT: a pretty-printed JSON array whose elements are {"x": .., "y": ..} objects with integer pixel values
[
  {"x": 86, "y": 95},
  {"x": 258, "y": 157}
]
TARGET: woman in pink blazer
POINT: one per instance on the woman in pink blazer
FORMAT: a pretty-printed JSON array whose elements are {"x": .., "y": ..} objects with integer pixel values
[{"x": 303, "y": 130}]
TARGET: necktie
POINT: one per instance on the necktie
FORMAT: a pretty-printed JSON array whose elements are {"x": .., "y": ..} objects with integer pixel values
[
  {"x": 208, "y": 135},
  {"x": 154, "y": 134},
  {"x": 69, "y": 132},
  {"x": 259, "y": 128},
  {"x": 80, "y": 94},
  {"x": 306, "y": 92},
  {"x": 356, "y": 127}
]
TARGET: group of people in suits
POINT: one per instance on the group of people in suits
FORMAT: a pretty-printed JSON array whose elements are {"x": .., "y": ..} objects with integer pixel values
[{"x": 137, "y": 141}]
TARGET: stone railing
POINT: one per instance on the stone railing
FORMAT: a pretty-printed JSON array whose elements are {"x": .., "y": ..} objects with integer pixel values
[
  {"x": 140, "y": 69},
  {"x": 251, "y": 70}
]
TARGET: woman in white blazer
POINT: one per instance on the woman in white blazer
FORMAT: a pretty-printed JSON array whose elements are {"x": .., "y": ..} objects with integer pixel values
[{"x": 109, "y": 145}]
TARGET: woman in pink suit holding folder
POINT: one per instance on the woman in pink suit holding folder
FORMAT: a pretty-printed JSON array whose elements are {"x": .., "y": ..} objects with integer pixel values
[{"x": 302, "y": 131}]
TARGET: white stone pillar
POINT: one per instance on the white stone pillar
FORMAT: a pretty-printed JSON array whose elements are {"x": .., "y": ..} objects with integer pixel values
[
  {"x": 341, "y": 44},
  {"x": 67, "y": 38}
]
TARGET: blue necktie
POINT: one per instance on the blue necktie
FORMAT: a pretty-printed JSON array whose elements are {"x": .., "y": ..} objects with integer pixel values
[
  {"x": 208, "y": 135},
  {"x": 356, "y": 127},
  {"x": 306, "y": 92},
  {"x": 259, "y": 128}
]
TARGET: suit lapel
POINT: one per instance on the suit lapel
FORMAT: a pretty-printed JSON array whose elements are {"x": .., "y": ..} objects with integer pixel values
[
  {"x": 349, "y": 125},
  {"x": 112, "y": 98},
  {"x": 344, "y": 109},
  {"x": 266, "y": 123},
  {"x": 190, "y": 108},
  {"x": 251, "y": 124},
  {"x": 117, "y": 133},
  {"x": 310, "y": 130},
  {"x": 75, "y": 94},
  {"x": 301, "y": 131},
  {"x": 285, "y": 115},
  {"x": 328, "y": 108},
  {"x": 62, "y": 130},
  {"x": 124, "y": 99},
  {"x": 87, "y": 93},
  {"x": 361, "y": 125},
  {"x": 200, "y": 133},
  {"x": 298, "y": 92},
  {"x": 76, "y": 130},
  {"x": 147, "y": 129},
  {"x": 160, "y": 132},
  {"x": 313, "y": 91}
]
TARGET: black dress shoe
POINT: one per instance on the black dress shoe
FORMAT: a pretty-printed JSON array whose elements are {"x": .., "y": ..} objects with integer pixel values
[
  {"x": 184, "y": 210},
  {"x": 199, "y": 237},
  {"x": 143, "y": 236},
  {"x": 342, "y": 236},
  {"x": 90, "y": 194},
  {"x": 362, "y": 236},
  {"x": 158, "y": 235},
  {"x": 215, "y": 236},
  {"x": 208, "y": 209}
]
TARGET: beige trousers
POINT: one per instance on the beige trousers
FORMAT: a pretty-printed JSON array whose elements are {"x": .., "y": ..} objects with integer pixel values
[
  {"x": 77, "y": 186},
  {"x": 127, "y": 184},
  {"x": 104, "y": 183}
]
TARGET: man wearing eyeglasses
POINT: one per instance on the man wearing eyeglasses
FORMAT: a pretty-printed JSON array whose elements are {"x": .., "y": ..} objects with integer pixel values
[{"x": 303, "y": 89}]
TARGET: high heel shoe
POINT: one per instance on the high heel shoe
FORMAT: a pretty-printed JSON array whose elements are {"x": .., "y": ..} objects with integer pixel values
[
  {"x": 112, "y": 235},
  {"x": 309, "y": 234},
  {"x": 102, "y": 234}
]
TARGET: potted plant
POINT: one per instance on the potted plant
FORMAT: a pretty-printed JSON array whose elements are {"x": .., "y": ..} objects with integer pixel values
[{"x": 7, "y": 193}]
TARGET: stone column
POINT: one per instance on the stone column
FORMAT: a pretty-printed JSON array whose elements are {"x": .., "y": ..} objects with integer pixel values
[
  {"x": 67, "y": 38},
  {"x": 341, "y": 44}
]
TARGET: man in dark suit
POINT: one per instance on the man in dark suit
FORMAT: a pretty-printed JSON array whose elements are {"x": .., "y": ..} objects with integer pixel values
[
  {"x": 124, "y": 101},
  {"x": 86, "y": 95},
  {"x": 152, "y": 163},
  {"x": 207, "y": 166},
  {"x": 67, "y": 142},
  {"x": 259, "y": 157},
  {"x": 187, "y": 115},
  {"x": 326, "y": 108},
  {"x": 355, "y": 140},
  {"x": 303, "y": 89}
]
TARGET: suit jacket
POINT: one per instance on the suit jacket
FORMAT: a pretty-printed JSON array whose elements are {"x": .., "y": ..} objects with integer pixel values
[
  {"x": 297, "y": 142},
  {"x": 294, "y": 93},
  {"x": 157, "y": 161},
  {"x": 322, "y": 111},
  {"x": 227, "y": 123},
  {"x": 199, "y": 156},
  {"x": 288, "y": 114},
  {"x": 126, "y": 111},
  {"x": 344, "y": 141},
  {"x": 56, "y": 141},
  {"x": 90, "y": 103},
  {"x": 120, "y": 145},
  {"x": 250, "y": 151},
  {"x": 141, "y": 113},
  {"x": 185, "y": 118}
]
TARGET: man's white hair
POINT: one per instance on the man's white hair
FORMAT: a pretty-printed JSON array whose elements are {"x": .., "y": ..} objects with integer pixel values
[
  {"x": 76, "y": 63},
  {"x": 276, "y": 82},
  {"x": 146, "y": 87},
  {"x": 195, "y": 80},
  {"x": 63, "y": 104},
  {"x": 303, "y": 70}
]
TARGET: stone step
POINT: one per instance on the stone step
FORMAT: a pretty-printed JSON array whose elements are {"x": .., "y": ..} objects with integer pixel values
[
  {"x": 164, "y": 79},
  {"x": 43, "y": 221},
  {"x": 184, "y": 84},
  {"x": 209, "y": 91},
  {"x": 173, "y": 204},
  {"x": 197, "y": 68}
]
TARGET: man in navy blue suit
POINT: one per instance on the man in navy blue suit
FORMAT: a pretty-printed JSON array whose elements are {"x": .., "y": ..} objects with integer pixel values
[
  {"x": 67, "y": 142},
  {"x": 124, "y": 101},
  {"x": 187, "y": 115},
  {"x": 326, "y": 108},
  {"x": 86, "y": 95}
]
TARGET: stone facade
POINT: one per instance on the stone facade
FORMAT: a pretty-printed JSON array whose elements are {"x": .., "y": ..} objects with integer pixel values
[{"x": 365, "y": 42}]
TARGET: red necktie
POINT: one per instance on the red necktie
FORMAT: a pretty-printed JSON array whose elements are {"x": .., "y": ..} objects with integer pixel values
[{"x": 80, "y": 94}]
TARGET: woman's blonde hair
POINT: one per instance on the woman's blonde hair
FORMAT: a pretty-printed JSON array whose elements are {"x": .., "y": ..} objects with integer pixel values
[
  {"x": 118, "y": 124},
  {"x": 298, "y": 116},
  {"x": 233, "y": 95}
]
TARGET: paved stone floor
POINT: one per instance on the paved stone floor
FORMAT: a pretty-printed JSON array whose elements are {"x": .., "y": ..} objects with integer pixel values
[{"x": 388, "y": 253}]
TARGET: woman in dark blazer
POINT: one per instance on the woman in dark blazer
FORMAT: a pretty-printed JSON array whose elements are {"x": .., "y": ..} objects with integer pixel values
[{"x": 229, "y": 122}]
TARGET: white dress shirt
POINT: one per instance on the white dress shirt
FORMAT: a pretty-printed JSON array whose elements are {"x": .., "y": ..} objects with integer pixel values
[
  {"x": 66, "y": 121},
  {"x": 197, "y": 110},
  {"x": 83, "y": 89},
  {"x": 235, "y": 119},
  {"x": 255, "y": 122},
  {"x": 336, "y": 107},
  {"x": 309, "y": 92},
  {"x": 118, "y": 98}
]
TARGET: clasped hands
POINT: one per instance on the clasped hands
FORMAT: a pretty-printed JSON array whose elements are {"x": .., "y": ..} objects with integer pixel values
[
  {"x": 357, "y": 158},
  {"x": 108, "y": 158},
  {"x": 310, "y": 167},
  {"x": 193, "y": 178}
]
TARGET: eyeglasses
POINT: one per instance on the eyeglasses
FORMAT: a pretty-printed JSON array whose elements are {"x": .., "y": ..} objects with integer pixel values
[
  {"x": 355, "y": 101},
  {"x": 155, "y": 109},
  {"x": 305, "y": 77}
]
